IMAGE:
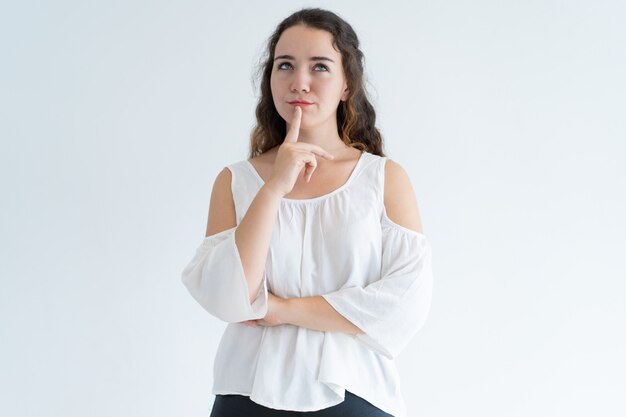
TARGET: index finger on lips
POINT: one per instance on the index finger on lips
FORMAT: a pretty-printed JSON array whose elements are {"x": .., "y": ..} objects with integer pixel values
[{"x": 294, "y": 128}]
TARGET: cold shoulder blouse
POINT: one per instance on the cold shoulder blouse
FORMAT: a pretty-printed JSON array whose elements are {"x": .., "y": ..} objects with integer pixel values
[{"x": 341, "y": 246}]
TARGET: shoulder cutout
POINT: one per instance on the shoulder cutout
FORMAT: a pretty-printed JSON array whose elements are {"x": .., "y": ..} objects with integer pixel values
[
  {"x": 400, "y": 202},
  {"x": 222, "y": 214}
]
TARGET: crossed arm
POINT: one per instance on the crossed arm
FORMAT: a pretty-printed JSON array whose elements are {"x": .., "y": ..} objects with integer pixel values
[{"x": 310, "y": 312}]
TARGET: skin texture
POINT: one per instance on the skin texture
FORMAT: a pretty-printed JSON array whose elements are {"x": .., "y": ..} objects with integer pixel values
[{"x": 312, "y": 161}]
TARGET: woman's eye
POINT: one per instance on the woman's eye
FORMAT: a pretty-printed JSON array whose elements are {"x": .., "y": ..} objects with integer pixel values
[
  {"x": 324, "y": 67},
  {"x": 283, "y": 63}
]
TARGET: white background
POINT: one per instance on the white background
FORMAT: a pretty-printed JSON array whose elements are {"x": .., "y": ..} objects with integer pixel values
[{"x": 116, "y": 116}]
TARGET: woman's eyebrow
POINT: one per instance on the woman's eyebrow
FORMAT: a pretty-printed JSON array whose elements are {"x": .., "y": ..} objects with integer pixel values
[{"x": 313, "y": 58}]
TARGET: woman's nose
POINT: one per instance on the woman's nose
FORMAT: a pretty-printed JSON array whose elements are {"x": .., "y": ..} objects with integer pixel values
[{"x": 301, "y": 81}]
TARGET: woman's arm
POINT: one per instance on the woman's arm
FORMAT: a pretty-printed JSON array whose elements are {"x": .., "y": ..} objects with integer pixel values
[
  {"x": 315, "y": 313},
  {"x": 253, "y": 234}
]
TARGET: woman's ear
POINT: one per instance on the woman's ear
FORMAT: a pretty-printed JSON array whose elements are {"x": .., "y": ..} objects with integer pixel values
[{"x": 345, "y": 94}]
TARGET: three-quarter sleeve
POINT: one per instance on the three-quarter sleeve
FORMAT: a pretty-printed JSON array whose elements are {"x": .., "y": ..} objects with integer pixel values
[
  {"x": 391, "y": 310},
  {"x": 216, "y": 280}
]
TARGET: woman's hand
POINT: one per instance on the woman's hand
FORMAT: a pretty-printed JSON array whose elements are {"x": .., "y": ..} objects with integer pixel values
[
  {"x": 275, "y": 313},
  {"x": 292, "y": 156}
]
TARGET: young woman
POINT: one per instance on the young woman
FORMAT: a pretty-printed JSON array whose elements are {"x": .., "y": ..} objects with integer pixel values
[{"x": 314, "y": 252}]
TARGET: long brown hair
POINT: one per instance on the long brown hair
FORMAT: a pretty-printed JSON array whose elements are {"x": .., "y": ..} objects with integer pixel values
[{"x": 356, "y": 117}]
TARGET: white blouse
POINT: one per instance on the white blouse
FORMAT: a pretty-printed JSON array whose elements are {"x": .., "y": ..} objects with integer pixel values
[{"x": 342, "y": 246}]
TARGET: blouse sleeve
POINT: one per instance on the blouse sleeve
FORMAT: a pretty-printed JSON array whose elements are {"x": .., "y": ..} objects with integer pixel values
[
  {"x": 391, "y": 310},
  {"x": 215, "y": 278}
]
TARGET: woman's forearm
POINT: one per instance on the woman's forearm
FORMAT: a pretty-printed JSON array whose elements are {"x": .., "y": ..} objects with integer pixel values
[
  {"x": 253, "y": 236},
  {"x": 317, "y": 314}
]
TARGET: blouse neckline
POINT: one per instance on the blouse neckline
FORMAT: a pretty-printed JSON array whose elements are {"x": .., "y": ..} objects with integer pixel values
[{"x": 318, "y": 198}]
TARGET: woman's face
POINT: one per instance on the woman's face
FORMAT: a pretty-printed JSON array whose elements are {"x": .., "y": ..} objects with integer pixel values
[{"x": 307, "y": 68}]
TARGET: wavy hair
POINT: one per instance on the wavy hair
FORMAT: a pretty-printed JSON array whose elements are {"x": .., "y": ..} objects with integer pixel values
[{"x": 356, "y": 117}]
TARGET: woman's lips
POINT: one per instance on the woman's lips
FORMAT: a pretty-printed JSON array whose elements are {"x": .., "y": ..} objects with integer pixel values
[{"x": 300, "y": 103}]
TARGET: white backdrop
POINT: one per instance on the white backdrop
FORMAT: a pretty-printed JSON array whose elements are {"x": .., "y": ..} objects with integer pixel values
[{"x": 116, "y": 116}]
